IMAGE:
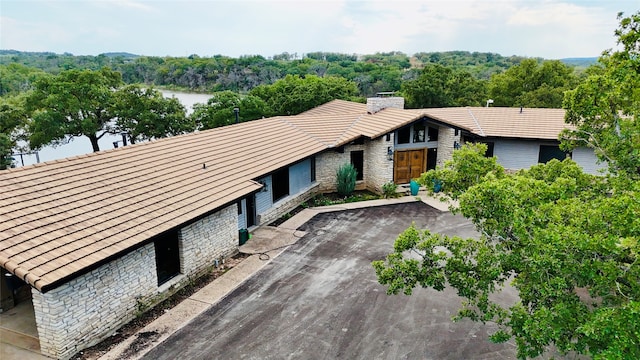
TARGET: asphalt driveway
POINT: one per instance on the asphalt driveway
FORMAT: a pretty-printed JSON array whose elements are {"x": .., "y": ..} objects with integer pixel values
[{"x": 320, "y": 300}]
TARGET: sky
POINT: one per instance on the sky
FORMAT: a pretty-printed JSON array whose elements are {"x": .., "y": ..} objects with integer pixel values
[{"x": 551, "y": 29}]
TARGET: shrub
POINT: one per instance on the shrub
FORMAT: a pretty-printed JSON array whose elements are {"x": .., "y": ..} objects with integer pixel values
[
  {"x": 346, "y": 179},
  {"x": 389, "y": 190}
]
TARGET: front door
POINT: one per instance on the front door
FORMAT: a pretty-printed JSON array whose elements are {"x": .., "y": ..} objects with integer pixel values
[{"x": 409, "y": 164}]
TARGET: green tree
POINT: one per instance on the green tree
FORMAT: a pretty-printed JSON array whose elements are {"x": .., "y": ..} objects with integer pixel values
[
  {"x": 295, "y": 94},
  {"x": 441, "y": 86},
  {"x": 145, "y": 114},
  {"x": 13, "y": 118},
  {"x": 219, "y": 110},
  {"x": 532, "y": 84},
  {"x": 73, "y": 103},
  {"x": 605, "y": 109},
  {"x": 569, "y": 242}
]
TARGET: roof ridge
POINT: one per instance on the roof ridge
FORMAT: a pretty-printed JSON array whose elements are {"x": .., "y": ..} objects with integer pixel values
[
  {"x": 351, "y": 126},
  {"x": 293, "y": 126},
  {"x": 476, "y": 121}
]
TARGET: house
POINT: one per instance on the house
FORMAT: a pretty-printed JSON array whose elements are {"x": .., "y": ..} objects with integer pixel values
[{"x": 86, "y": 242}]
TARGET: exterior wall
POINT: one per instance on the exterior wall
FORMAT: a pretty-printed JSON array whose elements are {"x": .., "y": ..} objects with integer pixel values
[
  {"x": 242, "y": 219},
  {"x": 446, "y": 140},
  {"x": 377, "y": 166},
  {"x": 516, "y": 155},
  {"x": 587, "y": 159},
  {"x": 376, "y": 104},
  {"x": 91, "y": 307},
  {"x": 287, "y": 204},
  {"x": 210, "y": 238},
  {"x": 328, "y": 163},
  {"x": 299, "y": 176}
]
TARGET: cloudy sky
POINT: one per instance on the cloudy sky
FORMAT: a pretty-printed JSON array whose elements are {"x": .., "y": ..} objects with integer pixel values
[{"x": 550, "y": 29}]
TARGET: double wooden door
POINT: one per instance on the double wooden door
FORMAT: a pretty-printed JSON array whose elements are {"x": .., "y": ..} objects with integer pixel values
[{"x": 409, "y": 164}]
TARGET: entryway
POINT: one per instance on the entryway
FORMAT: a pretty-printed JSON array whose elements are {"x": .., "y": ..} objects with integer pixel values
[{"x": 409, "y": 164}]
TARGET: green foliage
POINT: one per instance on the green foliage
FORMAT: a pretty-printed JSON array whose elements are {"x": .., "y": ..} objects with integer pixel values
[
  {"x": 531, "y": 84},
  {"x": 468, "y": 167},
  {"x": 605, "y": 109},
  {"x": 294, "y": 94},
  {"x": 17, "y": 78},
  {"x": 13, "y": 119},
  {"x": 219, "y": 110},
  {"x": 389, "y": 190},
  {"x": 73, "y": 103},
  {"x": 144, "y": 113},
  {"x": 346, "y": 179},
  {"x": 440, "y": 86}
]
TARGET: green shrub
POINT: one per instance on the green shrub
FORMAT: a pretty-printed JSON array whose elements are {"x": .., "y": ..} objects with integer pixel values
[
  {"x": 346, "y": 179},
  {"x": 389, "y": 190}
]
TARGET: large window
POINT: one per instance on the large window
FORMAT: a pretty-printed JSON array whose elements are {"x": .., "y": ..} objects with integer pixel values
[
  {"x": 280, "y": 184},
  {"x": 167, "y": 256},
  {"x": 404, "y": 135},
  {"x": 433, "y": 134},
  {"x": 357, "y": 159},
  {"x": 419, "y": 132},
  {"x": 548, "y": 152},
  {"x": 313, "y": 169}
]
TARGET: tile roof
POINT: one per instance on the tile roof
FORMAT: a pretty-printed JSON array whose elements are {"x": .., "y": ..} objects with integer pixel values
[{"x": 60, "y": 218}]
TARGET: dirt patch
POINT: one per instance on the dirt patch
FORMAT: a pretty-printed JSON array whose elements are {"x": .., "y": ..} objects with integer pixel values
[{"x": 146, "y": 318}]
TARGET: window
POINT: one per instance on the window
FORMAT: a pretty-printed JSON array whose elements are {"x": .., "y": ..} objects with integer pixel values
[
  {"x": 433, "y": 134},
  {"x": 313, "y": 169},
  {"x": 239, "y": 204},
  {"x": 357, "y": 159},
  {"x": 404, "y": 135},
  {"x": 280, "y": 184},
  {"x": 548, "y": 152},
  {"x": 418, "y": 132},
  {"x": 167, "y": 256}
]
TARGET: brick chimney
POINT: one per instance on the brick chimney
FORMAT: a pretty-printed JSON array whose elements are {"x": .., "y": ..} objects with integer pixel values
[{"x": 383, "y": 101}]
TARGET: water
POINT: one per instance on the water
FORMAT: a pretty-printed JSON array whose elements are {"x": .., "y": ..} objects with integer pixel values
[{"x": 82, "y": 145}]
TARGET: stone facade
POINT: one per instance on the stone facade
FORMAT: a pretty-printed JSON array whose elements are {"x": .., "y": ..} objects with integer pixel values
[
  {"x": 89, "y": 308},
  {"x": 447, "y": 139},
  {"x": 377, "y": 166},
  {"x": 376, "y": 104}
]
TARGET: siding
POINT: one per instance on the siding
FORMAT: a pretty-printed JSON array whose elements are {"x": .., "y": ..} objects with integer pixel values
[
  {"x": 299, "y": 176},
  {"x": 587, "y": 159},
  {"x": 516, "y": 155}
]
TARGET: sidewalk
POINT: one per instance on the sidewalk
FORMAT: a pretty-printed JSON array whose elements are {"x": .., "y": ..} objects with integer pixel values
[{"x": 266, "y": 243}]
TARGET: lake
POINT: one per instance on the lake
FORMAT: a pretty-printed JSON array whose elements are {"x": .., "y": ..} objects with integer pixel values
[{"x": 82, "y": 145}]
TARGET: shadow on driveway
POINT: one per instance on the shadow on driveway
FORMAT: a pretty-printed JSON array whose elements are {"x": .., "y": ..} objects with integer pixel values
[{"x": 320, "y": 300}]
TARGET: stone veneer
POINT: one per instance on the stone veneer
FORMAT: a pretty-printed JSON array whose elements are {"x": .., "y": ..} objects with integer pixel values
[
  {"x": 446, "y": 140},
  {"x": 89, "y": 308}
]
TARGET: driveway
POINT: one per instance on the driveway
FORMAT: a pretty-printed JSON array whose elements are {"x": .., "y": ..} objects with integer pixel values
[{"x": 320, "y": 300}]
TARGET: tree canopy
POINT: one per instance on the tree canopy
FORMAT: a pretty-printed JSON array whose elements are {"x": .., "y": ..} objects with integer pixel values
[
  {"x": 220, "y": 110},
  {"x": 13, "y": 119},
  {"x": 569, "y": 242}
]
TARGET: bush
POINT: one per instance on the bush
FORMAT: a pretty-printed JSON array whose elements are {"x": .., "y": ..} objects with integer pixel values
[
  {"x": 346, "y": 179},
  {"x": 389, "y": 190}
]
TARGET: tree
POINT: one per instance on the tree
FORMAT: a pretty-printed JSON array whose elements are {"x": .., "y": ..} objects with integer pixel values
[
  {"x": 145, "y": 114},
  {"x": 440, "y": 86},
  {"x": 605, "y": 109},
  {"x": 532, "y": 84},
  {"x": 569, "y": 242},
  {"x": 73, "y": 103},
  {"x": 219, "y": 110},
  {"x": 295, "y": 94},
  {"x": 12, "y": 121}
]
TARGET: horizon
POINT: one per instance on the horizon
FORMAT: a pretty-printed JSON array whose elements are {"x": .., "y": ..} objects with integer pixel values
[{"x": 549, "y": 29}]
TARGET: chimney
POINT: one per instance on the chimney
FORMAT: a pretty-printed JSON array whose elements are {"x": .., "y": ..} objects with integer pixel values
[{"x": 384, "y": 100}]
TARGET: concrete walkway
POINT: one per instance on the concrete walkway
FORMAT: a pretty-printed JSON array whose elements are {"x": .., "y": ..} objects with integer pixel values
[{"x": 265, "y": 244}]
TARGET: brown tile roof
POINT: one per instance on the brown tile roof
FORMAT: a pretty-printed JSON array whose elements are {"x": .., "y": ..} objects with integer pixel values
[{"x": 60, "y": 218}]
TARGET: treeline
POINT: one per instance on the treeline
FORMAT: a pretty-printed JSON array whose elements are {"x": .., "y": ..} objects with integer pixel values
[{"x": 371, "y": 73}]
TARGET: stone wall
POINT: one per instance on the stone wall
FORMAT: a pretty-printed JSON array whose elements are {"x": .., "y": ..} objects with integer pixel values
[
  {"x": 446, "y": 142},
  {"x": 377, "y": 166},
  {"x": 207, "y": 239},
  {"x": 376, "y": 104},
  {"x": 91, "y": 307}
]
